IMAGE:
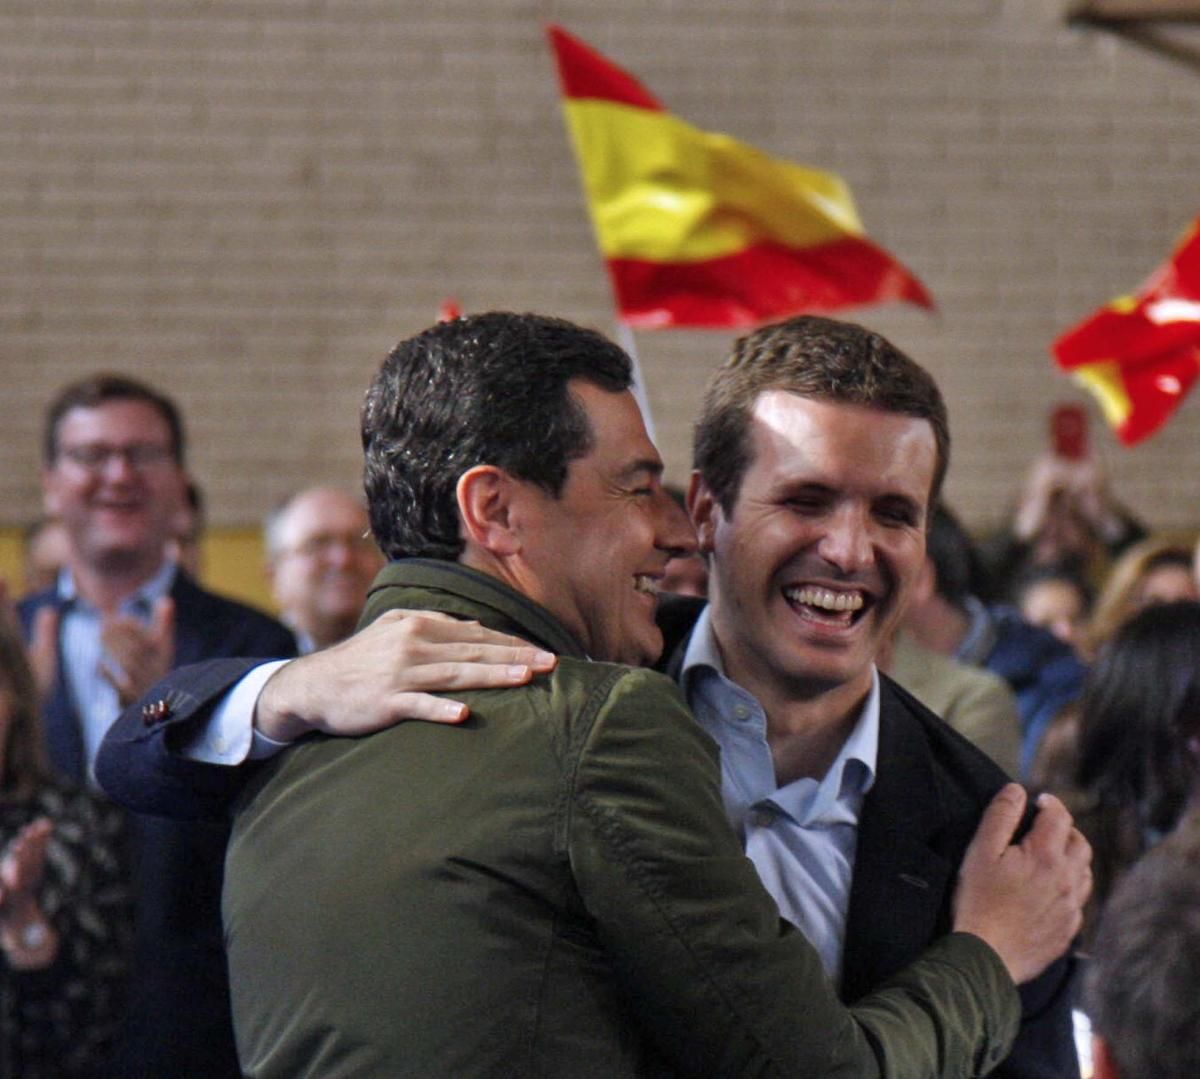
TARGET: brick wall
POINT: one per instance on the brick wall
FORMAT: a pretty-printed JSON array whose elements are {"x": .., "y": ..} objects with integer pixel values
[{"x": 248, "y": 201}]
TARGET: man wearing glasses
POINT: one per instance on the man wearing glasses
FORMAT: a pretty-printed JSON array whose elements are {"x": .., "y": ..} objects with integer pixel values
[
  {"x": 119, "y": 617},
  {"x": 321, "y": 560}
]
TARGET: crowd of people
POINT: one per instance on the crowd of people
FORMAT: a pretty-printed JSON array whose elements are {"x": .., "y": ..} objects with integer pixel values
[{"x": 579, "y": 867}]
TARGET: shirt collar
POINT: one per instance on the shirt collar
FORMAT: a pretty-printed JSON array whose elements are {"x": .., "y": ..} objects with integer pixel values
[
  {"x": 853, "y": 770},
  {"x": 140, "y": 599},
  {"x": 974, "y": 646}
]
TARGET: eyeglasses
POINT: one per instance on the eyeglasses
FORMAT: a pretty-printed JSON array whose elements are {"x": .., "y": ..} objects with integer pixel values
[
  {"x": 94, "y": 456},
  {"x": 324, "y": 543}
]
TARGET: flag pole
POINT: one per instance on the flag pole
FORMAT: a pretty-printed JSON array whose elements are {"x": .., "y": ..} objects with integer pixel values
[{"x": 626, "y": 340}]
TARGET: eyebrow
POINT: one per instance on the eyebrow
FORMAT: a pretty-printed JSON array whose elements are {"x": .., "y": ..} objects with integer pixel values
[{"x": 645, "y": 464}]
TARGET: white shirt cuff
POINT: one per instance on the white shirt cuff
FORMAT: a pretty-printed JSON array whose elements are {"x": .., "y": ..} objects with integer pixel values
[{"x": 229, "y": 736}]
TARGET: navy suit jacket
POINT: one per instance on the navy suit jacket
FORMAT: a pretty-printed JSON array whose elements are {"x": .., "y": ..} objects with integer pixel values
[
  {"x": 931, "y": 787},
  {"x": 177, "y": 1021}
]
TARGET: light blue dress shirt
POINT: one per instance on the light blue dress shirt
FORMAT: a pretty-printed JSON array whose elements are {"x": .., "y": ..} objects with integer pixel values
[
  {"x": 802, "y": 836},
  {"x": 83, "y": 657}
]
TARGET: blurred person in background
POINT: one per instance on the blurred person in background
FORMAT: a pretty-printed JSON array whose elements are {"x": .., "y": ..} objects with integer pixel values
[
  {"x": 1156, "y": 570},
  {"x": 120, "y": 615},
  {"x": 951, "y": 619},
  {"x": 45, "y": 547},
  {"x": 1058, "y": 598},
  {"x": 65, "y": 915},
  {"x": 321, "y": 560},
  {"x": 1137, "y": 766},
  {"x": 1066, "y": 514},
  {"x": 976, "y": 703},
  {"x": 1142, "y": 991}
]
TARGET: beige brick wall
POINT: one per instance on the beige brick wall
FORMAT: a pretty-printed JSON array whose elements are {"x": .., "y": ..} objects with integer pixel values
[{"x": 247, "y": 201}]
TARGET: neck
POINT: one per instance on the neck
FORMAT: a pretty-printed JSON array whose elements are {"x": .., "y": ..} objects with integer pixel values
[
  {"x": 807, "y": 723},
  {"x": 938, "y": 625},
  {"x": 805, "y": 744},
  {"x": 105, "y": 588}
]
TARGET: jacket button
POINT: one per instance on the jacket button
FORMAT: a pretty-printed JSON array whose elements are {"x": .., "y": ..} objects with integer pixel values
[{"x": 155, "y": 713}]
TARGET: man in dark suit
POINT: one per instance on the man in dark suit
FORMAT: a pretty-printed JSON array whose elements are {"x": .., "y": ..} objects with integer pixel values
[
  {"x": 120, "y": 616},
  {"x": 819, "y": 456}
]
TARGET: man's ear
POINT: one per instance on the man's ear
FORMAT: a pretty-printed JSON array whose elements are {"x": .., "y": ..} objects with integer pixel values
[
  {"x": 704, "y": 510},
  {"x": 485, "y": 496}
]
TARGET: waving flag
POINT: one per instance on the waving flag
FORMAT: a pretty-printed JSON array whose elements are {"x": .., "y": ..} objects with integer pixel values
[
  {"x": 699, "y": 229},
  {"x": 1140, "y": 354}
]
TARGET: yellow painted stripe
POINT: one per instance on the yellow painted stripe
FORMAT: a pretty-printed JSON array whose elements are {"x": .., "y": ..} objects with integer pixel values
[
  {"x": 1105, "y": 383},
  {"x": 662, "y": 190}
]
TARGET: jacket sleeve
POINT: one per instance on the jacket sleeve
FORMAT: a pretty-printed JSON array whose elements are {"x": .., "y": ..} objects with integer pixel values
[
  {"x": 139, "y": 764},
  {"x": 1045, "y": 1045},
  {"x": 721, "y": 984}
]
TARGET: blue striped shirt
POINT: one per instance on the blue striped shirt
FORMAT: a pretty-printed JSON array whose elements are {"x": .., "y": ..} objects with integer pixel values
[{"x": 83, "y": 657}]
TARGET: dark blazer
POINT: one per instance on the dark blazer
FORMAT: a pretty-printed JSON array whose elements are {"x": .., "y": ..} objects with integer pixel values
[
  {"x": 931, "y": 786},
  {"x": 177, "y": 1020}
]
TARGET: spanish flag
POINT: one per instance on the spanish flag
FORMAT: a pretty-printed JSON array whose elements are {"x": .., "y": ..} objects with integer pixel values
[
  {"x": 1140, "y": 354},
  {"x": 699, "y": 229}
]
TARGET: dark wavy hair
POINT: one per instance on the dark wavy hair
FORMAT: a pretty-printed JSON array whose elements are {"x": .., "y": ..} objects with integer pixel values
[
  {"x": 487, "y": 389},
  {"x": 1140, "y": 710},
  {"x": 819, "y": 358}
]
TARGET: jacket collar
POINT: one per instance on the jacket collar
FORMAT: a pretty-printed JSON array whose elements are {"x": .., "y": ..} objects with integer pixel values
[{"x": 455, "y": 589}]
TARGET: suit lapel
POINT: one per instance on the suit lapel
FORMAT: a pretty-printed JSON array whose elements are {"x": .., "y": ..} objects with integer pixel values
[{"x": 898, "y": 897}]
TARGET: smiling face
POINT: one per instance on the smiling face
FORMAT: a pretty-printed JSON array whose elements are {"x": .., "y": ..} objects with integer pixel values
[
  {"x": 1056, "y": 605},
  {"x": 324, "y": 562},
  {"x": 115, "y": 485},
  {"x": 813, "y": 566},
  {"x": 595, "y": 554}
]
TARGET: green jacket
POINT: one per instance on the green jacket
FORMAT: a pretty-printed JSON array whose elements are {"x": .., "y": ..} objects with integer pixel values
[{"x": 549, "y": 889}]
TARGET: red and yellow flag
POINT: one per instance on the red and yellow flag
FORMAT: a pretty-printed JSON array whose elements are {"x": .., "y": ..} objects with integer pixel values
[
  {"x": 1140, "y": 354},
  {"x": 699, "y": 229}
]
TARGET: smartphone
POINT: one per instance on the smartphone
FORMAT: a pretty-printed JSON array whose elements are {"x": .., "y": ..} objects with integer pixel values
[{"x": 1069, "y": 431}]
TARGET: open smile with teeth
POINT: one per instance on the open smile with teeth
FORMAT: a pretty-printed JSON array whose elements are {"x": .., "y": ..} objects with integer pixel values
[
  {"x": 827, "y": 604},
  {"x": 643, "y": 582}
]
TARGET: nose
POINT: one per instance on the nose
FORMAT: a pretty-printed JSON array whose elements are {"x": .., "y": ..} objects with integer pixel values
[
  {"x": 675, "y": 533},
  {"x": 339, "y": 551},
  {"x": 847, "y": 542},
  {"x": 118, "y": 468}
]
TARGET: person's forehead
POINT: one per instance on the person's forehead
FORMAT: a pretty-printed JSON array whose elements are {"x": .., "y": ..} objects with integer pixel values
[
  {"x": 323, "y": 511},
  {"x": 129, "y": 419},
  {"x": 840, "y": 433},
  {"x": 620, "y": 443}
]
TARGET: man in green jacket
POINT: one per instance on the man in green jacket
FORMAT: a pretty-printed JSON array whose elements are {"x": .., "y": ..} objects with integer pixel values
[{"x": 552, "y": 887}]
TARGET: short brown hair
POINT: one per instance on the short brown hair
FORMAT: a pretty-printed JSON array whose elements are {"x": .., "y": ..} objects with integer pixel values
[
  {"x": 1142, "y": 988},
  {"x": 94, "y": 391},
  {"x": 819, "y": 358}
]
